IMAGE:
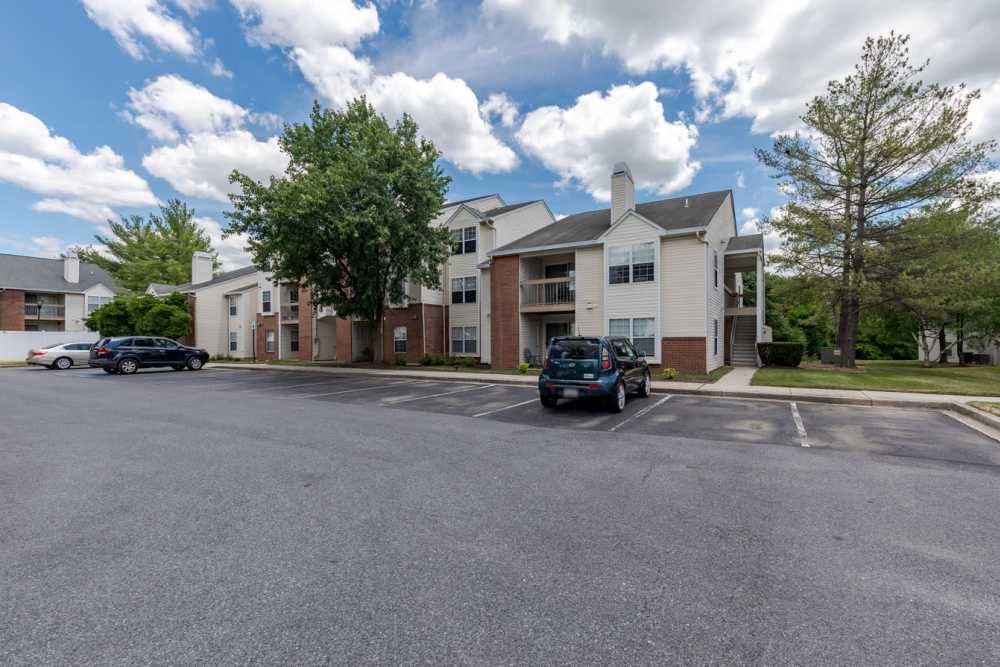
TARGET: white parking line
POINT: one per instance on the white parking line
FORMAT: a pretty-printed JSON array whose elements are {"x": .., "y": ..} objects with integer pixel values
[
  {"x": 342, "y": 391},
  {"x": 506, "y": 407},
  {"x": 799, "y": 426},
  {"x": 397, "y": 401},
  {"x": 640, "y": 413}
]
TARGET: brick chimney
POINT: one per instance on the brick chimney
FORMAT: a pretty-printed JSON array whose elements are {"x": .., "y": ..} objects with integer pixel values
[
  {"x": 201, "y": 267},
  {"x": 71, "y": 267},
  {"x": 622, "y": 191}
]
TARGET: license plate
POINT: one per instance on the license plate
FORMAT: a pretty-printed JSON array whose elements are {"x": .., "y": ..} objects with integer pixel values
[{"x": 571, "y": 393}]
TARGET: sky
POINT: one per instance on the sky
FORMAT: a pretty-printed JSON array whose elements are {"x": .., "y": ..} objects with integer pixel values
[{"x": 109, "y": 108}]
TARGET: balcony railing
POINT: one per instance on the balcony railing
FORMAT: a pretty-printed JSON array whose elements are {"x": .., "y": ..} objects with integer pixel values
[
  {"x": 44, "y": 311},
  {"x": 290, "y": 312},
  {"x": 548, "y": 294}
]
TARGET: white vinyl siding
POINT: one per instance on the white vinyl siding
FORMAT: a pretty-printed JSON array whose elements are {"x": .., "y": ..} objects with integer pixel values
[
  {"x": 590, "y": 291},
  {"x": 682, "y": 273},
  {"x": 634, "y": 300},
  {"x": 720, "y": 229}
]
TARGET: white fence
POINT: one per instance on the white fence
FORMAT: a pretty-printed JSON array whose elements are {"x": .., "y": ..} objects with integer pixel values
[{"x": 14, "y": 345}]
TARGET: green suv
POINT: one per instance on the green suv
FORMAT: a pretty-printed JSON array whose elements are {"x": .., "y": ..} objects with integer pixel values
[{"x": 606, "y": 367}]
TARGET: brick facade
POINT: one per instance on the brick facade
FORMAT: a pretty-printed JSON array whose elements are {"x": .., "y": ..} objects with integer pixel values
[
  {"x": 305, "y": 325},
  {"x": 267, "y": 323},
  {"x": 687, "y": 355},
  {"x": 505, "y": 276},
  {"x": 345, "y": 335},
  {"x": 11, "y": 310},
  {"x": 434, "y": 338},
  {"x": 411, "y": 318}
]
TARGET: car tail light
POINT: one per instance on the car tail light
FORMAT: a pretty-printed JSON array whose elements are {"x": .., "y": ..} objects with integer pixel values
[
  {"x": 550, "y": 385},
  {"x": 545, "y": 363},
  {"x": 102, "y": 350},
  {"x": 605, "y": 359},
  {"x": 38, "y": 354},
  {"x": 594, "y": 385}
]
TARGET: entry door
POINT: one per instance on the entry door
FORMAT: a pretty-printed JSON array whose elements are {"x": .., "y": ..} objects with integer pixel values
[{"x": 553, "y": 329}]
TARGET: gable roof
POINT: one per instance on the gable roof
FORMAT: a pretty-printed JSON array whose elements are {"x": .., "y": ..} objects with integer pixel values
[
  {"x": 449, "y": 204},
  {"x": 190, "y": 287},
  {"x": 748, "y": 243},
  {"x": 46, "y": 275},
  {"x": 161, "y": 289},
  {"x": 500, "y": 210},
  {"x": 693, "y": 212}
]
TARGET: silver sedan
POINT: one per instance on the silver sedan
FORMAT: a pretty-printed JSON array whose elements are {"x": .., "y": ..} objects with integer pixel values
[{"x": 60, "y": 356}]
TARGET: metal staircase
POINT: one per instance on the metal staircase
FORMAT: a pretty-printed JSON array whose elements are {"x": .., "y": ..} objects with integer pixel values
[{"x": 744, "y": 350}]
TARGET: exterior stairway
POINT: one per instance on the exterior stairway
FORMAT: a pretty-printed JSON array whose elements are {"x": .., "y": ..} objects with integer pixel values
[{"x": 745, "y": 341}]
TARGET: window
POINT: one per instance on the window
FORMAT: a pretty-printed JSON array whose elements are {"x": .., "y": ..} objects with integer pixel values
[
  {"x": 233, "y": 341},
  {"x": 557, "y": 270},
  {"x": 234, "y": 305},
  {"x": 715, "y": 337},
  {"x": 143, "y": 342},
  {"x": 166, "y": 343},
  {"x": 265, "y": 302},
  {"x": 464, "y": 340},
  {"x": 634, "y": 263},
  {"x": 399, "y": 340},
  {"x": 641, "y": 331},
  {"x": 715, "y": 267},
  {"x": 293, "y": 339},
  {"x": 622, "y": 349},
  {"x": 95, "y": 302},
  {"x": 464, "y": 242},
  {"x": 463, "y": 290},
  {"x": 269, "y": 341}
]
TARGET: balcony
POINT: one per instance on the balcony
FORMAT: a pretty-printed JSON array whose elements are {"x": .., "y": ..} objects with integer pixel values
[
  {"x": 44, "y": 311},
  {"x": 548, "y": 295},
  {"x": 290, "y": 312}
]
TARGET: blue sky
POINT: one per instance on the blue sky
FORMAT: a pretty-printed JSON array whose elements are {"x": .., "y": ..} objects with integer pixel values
[{"x": 109, "y": 106}]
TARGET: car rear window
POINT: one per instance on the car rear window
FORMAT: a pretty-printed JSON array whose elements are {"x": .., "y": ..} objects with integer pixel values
[
  {"x": 121, "y": 341},
  {"x": 575, "y": 349}
]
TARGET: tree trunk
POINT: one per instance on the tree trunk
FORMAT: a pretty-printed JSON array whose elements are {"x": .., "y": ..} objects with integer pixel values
[
  {"x": 925, "y": 345},
  {"x": 942, "y": 346},
  {"x": 960, "y": 341},
  {"x": 848, "y": 354}
]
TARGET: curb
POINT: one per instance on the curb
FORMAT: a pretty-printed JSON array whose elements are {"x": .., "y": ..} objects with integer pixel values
[{"x": 978, "y": 415}]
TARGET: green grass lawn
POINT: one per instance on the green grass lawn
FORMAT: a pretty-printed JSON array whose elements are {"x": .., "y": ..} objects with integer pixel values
[
  {"x": 698, "y": 377},
  {"x": 992, "y": 408},
  {"x": 888, "y": 376},
  {"x": 4, "y": 364}
]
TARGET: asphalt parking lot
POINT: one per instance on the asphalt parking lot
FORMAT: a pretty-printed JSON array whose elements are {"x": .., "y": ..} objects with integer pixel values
[{"x": 235, "y": 516}]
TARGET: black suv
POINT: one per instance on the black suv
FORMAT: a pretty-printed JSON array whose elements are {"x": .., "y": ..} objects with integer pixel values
[{"x": 127, "y": 354}]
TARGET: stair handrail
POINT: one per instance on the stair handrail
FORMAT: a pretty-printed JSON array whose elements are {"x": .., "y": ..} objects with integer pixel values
[{"x": 732, "y": 340}]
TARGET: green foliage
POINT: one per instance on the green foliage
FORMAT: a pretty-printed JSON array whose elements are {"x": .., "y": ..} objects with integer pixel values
[
  {"x": 523, "y": 368},
  {"x": 143, "y": 315},
  {"x": 781, "y": 353},
  {"x": 668, "y": 373},
  {"x": 157, "y": 250},
  {"x": 400, "y": 360},
  {"x": 352, "y": 216},
  {"x": 432, "y": 360}
]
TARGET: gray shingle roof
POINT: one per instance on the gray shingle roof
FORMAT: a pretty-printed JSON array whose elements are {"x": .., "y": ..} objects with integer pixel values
[
  {"x": 46, "y": 275},
  {"x": 670, "y": 214},
  {"x": 449, "y": 204},
  {"x": 159, "y": 289},
  {"x": 221, "y": 278},
  {"x": 500, "y": 210},
  {"x": 744, "y": 243}
]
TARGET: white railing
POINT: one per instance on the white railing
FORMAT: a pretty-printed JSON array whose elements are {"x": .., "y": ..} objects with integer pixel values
[
  {"x": 43, "y": 311},
  {"x": 290, "y": 312},
  {"x": 548, "y": 292}
]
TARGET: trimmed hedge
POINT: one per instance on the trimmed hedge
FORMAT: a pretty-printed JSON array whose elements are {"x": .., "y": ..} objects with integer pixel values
[{"x": 781, "y": 354}]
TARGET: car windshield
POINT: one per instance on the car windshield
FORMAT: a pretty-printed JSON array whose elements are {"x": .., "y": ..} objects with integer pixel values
[{"x": 574, "y": 349}]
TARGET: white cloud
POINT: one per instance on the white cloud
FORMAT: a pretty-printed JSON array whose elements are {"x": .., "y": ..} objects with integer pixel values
[
  {"x": 752, "y": 224},
  {"x": 499, "y": 105},
  {"x": 582, "y": 143},
  {"x": 761, "y": 60},
  {"x": 131, "y": 22},
  {"x": 217, "y": 68},
  {"x": 37, "y": 246},
  {"x": 170, "y": 105},
  {"x": 984, "y": 114},
  {"x": 81, "y": 184},
  {"x": 320, "y": 38},
  {"x": 741, "y": 181},
  {"x": 49, "y": 246},
  {"x": 231, "y": 249},
  {"x": 201, "y": 164}
]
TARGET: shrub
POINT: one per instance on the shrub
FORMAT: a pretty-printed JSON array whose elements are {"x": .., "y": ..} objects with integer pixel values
[
  {"x": 523, "y": 367},
  {"x": 668, "y": 374},
  {"x": 781, "y": 354},
  {"x": 400, "y": 360}
]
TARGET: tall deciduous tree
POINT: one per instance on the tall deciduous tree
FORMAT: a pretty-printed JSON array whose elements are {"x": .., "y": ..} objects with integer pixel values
[
  {"x": 351, "y": 217},
  {"x": 879, "y": 144},
  {"x": 156, "y": 250}
]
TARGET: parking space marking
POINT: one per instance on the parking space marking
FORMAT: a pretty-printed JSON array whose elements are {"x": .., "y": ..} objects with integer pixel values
[
  {"x": 640, "y": 413},
  {"x": 974, "y": 425},
  {"x": 347, "y": 391},
  {"x": 506, "y": 407},
  {"x": 799, "y": 426},
  {"x": 445, "y": 393},
  {"x": 292, "y": 386}
]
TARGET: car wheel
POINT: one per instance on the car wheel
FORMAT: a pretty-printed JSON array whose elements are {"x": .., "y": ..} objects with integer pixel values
[
  {"x": 194, "y": 363},
  {"x": 128, "y": 366},
  {"x": 617, "y": 402},
  {"x": 549, "y": 401},
  {"x": 645, "y": 387},
  {"x": 62, "y": 363}
]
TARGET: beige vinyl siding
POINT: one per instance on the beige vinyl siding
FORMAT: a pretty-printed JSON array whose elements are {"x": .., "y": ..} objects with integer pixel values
[
  {"x": 463, "y": 266},
  {"x": 682, "y": 275},
  {"x": 242, "y": 324},
  {"x": 590, "y": 291},
  {"x": 212, "y": 319},
  {"x": 520, "y": 222},
  {"x": 720, "y": 229},
  {"x": 485, "y": 340},
  {"x": 633, "y": 300},
  {"x": 75, "y": 311}
]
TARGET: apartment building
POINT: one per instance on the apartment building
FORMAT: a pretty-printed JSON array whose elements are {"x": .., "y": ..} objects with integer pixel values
[
  {"x": 39, "y": 294},
  {"x": 666, "y": 273}
]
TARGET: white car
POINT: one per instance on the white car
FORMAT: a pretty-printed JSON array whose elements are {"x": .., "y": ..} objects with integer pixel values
[{"x": 62, "y": 356}]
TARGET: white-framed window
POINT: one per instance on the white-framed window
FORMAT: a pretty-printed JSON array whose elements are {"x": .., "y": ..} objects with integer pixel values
[
  {"x": 464, "y": 340},
  {"x": 234, "y": 341},
  {"x": 269, "y": 341},
  {"x": 464, "y": 242},
  {"x": 715, "y": 267},
  {"x": 234, "y": 305},
  {"x": 715, "y": 337},
  {"x": 640, "y": 330},
  {"x": 463, "y": 290},
  {"x": 632, "y": 263},
  {"x": 265, "y": 301},
  {"x": 399, "y": 340},
  {"x": 95, "y": 302}
]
